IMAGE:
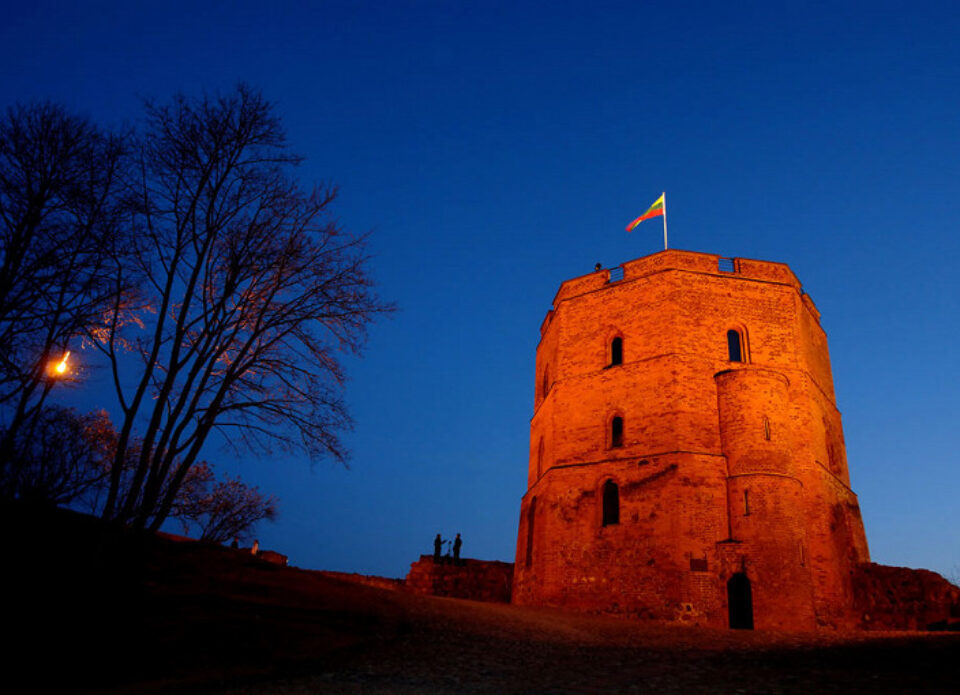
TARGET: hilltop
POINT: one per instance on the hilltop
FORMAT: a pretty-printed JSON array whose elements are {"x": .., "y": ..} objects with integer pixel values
[{"x": 126, "y": 614}]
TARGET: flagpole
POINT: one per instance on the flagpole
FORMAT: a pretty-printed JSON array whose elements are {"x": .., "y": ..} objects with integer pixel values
[{"x": 664, "y": 220}]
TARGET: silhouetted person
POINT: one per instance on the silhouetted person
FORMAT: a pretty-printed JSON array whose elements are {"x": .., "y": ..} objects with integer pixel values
[
  {"x": 456, "y": 549},
  {"x": 236, "y": 543},
  {"x": 437, "y": 546},
  {"x": 598, "y": 266},
  {"x": 255, "y": 548}
]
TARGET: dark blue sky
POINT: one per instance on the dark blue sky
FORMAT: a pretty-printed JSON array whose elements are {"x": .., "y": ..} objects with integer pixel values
[{"x": 495, "y": 151}]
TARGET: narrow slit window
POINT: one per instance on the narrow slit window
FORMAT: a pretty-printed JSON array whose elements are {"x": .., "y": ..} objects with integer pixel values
[
  {"x": 734, "y": 347},
  {"x": 766, "y": 429},
  {"x": 616, "y": 351},
  {"x": 546, "y": 382},
  {"x": 611, "y": 503},
  {"x": 540, "y": 458},
  {"x": 616, "y": 432},
  {"x": 531, "y": 512}
]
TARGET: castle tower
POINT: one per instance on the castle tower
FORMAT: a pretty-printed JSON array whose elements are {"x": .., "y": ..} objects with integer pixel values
[{"x": 686, "y": 454}]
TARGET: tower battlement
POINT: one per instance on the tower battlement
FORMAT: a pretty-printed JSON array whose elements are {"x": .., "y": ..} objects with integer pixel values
[{"x": 673, "y": 259}]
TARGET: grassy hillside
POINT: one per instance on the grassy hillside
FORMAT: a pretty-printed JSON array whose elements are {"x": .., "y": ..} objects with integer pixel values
[{"x": 107, "y": 611}]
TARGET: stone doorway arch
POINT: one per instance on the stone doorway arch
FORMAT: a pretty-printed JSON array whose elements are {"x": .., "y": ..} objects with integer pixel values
[{"x": 740, "y": 601}]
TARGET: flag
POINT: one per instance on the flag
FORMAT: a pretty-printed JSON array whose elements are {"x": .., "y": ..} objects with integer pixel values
[{"x": 655, "y": 210}]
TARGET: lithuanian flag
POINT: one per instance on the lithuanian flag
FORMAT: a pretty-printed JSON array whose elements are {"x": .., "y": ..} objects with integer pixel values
[{"x": 655, "y": 210}]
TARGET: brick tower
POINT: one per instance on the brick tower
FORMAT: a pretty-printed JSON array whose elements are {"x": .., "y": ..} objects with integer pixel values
[{"x": 686, "y": 453}]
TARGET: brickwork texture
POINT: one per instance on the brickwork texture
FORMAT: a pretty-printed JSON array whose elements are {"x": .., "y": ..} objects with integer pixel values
[
  {"x": 660, "y": 477},
  {"x": 479, "y": 580}
]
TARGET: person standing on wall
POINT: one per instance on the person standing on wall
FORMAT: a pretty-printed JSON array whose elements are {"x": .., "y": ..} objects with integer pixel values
[{"x": 456, "y": 549}]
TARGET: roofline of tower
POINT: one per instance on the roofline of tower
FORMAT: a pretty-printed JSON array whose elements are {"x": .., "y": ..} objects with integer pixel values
[
  {"x": 677, "y": 259},
  {"x": 709, "y": 263}
]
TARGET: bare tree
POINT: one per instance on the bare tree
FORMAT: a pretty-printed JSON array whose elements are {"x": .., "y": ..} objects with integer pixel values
[
  {"x": 220, "y": 510},
  {"x": 60, "y": 457},
  {"x": 60, "y": 215},
  {"x": 248, "y": 291}
]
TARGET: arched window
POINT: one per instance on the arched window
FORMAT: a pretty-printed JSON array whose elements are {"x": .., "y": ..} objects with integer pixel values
[
  {"x": 611, "y": 503},
  {"x": 531, "y": 511},
  {"x": 616, "y": 351},
  {"x": 546, "y": 382},
  {"x": 734, "y": 346},
  {"x": 616, "y": 431}
]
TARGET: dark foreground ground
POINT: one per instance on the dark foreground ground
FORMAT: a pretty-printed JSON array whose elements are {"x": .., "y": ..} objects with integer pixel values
[{"x": 127, "y": 615}]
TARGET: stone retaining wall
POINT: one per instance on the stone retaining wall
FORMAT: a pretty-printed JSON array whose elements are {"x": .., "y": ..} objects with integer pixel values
[
  {"x": 365, "y": 579},
  {"x": 900, "y": 598},
  {"x": 480, "y": 580}
]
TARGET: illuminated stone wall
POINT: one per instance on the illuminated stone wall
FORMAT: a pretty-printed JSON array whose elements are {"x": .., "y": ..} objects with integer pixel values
[
  {"x": 479, "y": 580},
  {"x": 724, "y": 467}
]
